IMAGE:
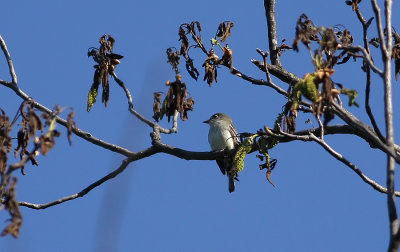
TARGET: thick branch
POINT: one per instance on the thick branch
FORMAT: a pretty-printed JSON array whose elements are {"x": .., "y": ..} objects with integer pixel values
[
  {"x": 386, "y": 51},
  {"x": 269, "y": 6},
  {"x": 278, "y": 71},
  {"x": 368, "y": 134},
  {"x": 159, "y": 147}
]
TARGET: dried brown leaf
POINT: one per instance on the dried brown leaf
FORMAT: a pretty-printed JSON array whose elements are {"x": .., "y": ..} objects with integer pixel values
[
  {"x": 346, "y": 39},
  {"x": 11, "y": 205},
  {"x": 188, "y": 105},
  {"x": 70, "y": 125},
  {"x": 3, "y": 161},
  {"x": 328, "y": 41},
  {"x": 33, "y": 122},
  {"x": 210, "y": 67},
  {"x": 195, "y": 25},
  {"x": 185, "y": 41},
  {"x": 173, "y": 58},
  {"x": 22, "y": 140},
  {"x": 268, "y": 175},
  {"x": 5, "y": 128},
  {"x": 224, "y": 30},
  {"x": 157, "y": 106},
  {"x": 306, "y": 31},
  {"x": 191, "y": 69},
  {"x": 47, "y": 141},
  {"x": 227, "y": 57},
  {"x": 107, "y": 61},
  {"x": 353, "y": 4}
]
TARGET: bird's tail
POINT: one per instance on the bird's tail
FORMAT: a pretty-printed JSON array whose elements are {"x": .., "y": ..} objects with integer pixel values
[{"x": 231, "y": 184}]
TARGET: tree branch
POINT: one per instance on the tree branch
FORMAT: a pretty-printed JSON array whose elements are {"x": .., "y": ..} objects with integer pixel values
[
  {"x": 113, "y": 174},
  {"x": 269, "y": 6},
  {"x": 366, "y": 56},
  {"x": 365, "y": 24},
  {"x": 340, "y": 157},
  {"x": 152, "y": 124},
  {"x": 349, "y": 118},
  {"x": 386, "y": 51},
  {"x": 9, "y": 61},
  {"x": 278, "y": 71}
]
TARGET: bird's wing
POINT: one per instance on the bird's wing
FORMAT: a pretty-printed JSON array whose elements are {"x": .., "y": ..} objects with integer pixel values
[
  {"x": 234, "y": 135},
  {"x": 221, "y": 166}
]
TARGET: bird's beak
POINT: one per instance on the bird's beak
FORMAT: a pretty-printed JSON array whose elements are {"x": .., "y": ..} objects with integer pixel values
[{"x": 208, "y": 121}]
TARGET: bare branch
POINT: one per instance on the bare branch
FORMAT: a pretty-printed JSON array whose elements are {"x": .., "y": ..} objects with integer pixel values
[
  {"x": 164, "y": 148},
  {"x": 338, "y": 156},
  {"x": 368, "y": 133},
  {"x": 269, "y": 6},
  {"x": 278, "y": 71},
  {"x": 380, "y": 29},
  {"x": 365, "y": 130},
  {"x": 342, "y": 159},
  {"x": 386, "y": 51},
  {"x": 365, "y": 25},
  {"x": 174, "y": 128},
  {"x": 259, "y": 82},
  {"x": 366, "y": 56},
  {"x": 82, "y": 193},
  {"x": 83, "y": 134},
  {"x": 9, "y": 61}
]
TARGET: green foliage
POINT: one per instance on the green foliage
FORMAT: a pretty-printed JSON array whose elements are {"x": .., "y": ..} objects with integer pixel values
[
  {"x": 92, "y": 95},
  {"x": 352, "y": 94},
  {"x": 238, "y": 160}
]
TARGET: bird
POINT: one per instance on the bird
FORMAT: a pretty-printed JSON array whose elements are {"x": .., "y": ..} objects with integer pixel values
[{"x": 223, "y": 136}]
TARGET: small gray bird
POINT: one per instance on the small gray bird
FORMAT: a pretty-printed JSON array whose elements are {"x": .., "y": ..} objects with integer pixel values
[{"x": 223, "y": 135}]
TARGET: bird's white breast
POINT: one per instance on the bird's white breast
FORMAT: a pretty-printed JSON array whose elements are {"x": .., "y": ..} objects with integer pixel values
[{"x": 220, "y": 139}]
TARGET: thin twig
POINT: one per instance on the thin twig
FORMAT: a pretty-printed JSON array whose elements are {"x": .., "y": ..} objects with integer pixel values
[
  {"x": 341, "y": 158},
  {"x": 150, "y": 123},
  {"x": 9, "y": 61},
  {"x": 368, "y": 133},
  {"x": 365, "y": 25},
  {"x": 366, "y": 56},
  {"x": 82, "y": 193}
]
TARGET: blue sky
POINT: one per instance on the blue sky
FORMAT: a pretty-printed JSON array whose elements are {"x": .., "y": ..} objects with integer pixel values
[{"x": 163, "y": 203}]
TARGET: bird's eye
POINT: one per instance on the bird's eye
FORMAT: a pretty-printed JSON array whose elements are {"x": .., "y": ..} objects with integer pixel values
[{"x": 215, "y": 116}]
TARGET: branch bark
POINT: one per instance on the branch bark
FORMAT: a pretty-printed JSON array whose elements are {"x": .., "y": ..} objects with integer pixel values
[
  {"x": 269, "y": 6},
  {"x": 386, "y": 51}
]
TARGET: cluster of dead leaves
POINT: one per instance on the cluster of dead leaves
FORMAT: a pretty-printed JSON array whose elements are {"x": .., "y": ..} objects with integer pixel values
[
  {"x": 396, "y": 54},
  {"x": 318, "y": 86},
  {"x": 175, "y": 100},
  {"x": 353, "y": 3},
  {"x": 306, "y": 31},
  {"x": 213, "y": 60},
  {"x": 395, "y": 51},
  {"x": 329, "y": 40},
  {"x": 37, "y": 132},
  {"x": 106, "y": 61},
  {"x": 10, "y": 203}
]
